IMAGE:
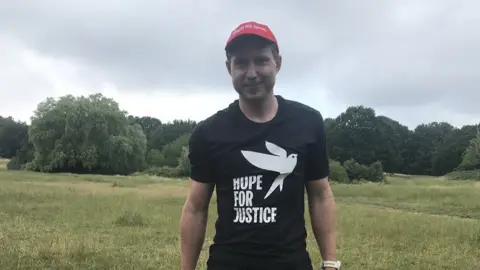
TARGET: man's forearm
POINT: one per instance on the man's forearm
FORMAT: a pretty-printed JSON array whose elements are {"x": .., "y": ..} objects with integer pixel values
[
  {"x": 192, "y": 235},
  {"x": 322, "y": 214}
]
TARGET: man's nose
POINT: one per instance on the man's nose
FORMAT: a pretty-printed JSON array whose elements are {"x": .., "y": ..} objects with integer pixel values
[{"x": 251, "y": 72}]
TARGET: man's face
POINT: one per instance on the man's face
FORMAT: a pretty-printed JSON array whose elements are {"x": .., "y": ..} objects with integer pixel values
[{"x": 253, "y": 68}]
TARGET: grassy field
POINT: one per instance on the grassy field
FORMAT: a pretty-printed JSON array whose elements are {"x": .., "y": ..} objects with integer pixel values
[{"x": 94, "y": 222}]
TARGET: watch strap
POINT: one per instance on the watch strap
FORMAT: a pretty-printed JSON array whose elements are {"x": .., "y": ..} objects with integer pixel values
[{"x": 331, "y": 264}]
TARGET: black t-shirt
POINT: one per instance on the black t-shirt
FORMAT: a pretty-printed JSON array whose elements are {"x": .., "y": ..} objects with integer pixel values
[{"x": 260, "y": 171}]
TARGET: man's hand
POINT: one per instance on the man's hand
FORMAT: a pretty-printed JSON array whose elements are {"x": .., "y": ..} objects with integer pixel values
[
  {"x": 322, "y": 214},
  {"x": 193, "y": 223}
]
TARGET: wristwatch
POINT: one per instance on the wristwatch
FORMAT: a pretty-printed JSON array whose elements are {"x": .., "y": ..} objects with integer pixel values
[{"x": 331, "y": 264}]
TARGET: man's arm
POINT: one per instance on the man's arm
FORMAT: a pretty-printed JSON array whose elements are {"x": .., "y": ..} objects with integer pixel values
[
  {"x": 195, "y": 211},
  {"x": 320, "y": 198},
  {"x": 322, "y": 214},
  {"x": 193, "y": 223}
]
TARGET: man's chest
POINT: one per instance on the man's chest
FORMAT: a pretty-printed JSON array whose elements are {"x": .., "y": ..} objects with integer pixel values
[
  {"x": 244, "y": 154},
  {"x": 260, "y": 168},
  {"x": 260, "y": 173},
  {"x": 258, "y": 180}
]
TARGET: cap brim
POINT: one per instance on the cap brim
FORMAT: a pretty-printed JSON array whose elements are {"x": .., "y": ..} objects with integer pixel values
[{"x": 247, "y": 38}]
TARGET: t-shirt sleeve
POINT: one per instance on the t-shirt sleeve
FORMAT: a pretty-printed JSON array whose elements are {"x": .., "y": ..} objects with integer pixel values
[
  {"x": 317, "y": 165},
  {"x": 199, "y": 156}
]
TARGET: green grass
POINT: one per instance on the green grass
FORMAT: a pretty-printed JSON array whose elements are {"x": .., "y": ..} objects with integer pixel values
[{"x": 66, "y": 221}]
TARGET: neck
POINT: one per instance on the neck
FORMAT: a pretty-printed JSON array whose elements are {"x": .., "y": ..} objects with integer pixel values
[{"x": 259, "y": 111}]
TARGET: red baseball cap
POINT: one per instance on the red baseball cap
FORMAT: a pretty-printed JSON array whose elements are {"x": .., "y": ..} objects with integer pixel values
[{"x": 252, "y": 28}]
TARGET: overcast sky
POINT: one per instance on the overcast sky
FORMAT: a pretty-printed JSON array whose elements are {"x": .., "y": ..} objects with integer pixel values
[{"x": 412, "y": 60}]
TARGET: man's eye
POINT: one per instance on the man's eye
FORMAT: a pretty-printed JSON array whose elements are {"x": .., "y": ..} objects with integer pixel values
[{"x": 262, "y": 61}]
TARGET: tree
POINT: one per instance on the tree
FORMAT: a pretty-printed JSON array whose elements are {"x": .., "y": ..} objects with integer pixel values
[
  {"x": 92, "y": 135},
  {"x": 148, "y": 124},
  {"x": 85, "y": 134},
  {"x": 449, "y": 154},
  {"x": 155, "y": 158},
  {"x": 12, "y": 136},
  {"x": 471, "y": 158},
  {"x": 353, "y": 135},
  {"x": 361, "y": 135},
  {"x": 183, "y": 168},
  {"x": 173, "y": 150},
  {"x": 390, "y": 143},
  {"x": 23, "y": 155},
  {"x": 422, "y": 145},
  {"x": 338, "y": 172},
  {"x": 168, "y": 132}
]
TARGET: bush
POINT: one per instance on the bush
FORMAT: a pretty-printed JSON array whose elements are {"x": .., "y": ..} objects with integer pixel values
[
  {"x": 471, "y": 156},
  {"x": 464, "y": 175},
  {"x": 357, "y": 171},
  {"x": 183, "y": 168},
  {"x": 155, "y": 157},
  {"x": 24, "y": 155},
  {"x": 163, "y": 171},
  {"x": 14, "y": 164},
  {"x": 338, "y": 172},
  {"x": 376, "y": 172}
]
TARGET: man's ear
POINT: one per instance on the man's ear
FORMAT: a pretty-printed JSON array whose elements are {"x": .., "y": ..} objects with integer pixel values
[
  {"x": 227, "y": 64},
  {"x": 278, "y": 59}
]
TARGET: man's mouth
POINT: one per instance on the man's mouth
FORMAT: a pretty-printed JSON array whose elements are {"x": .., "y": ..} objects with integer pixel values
[{"x": 252, "y": 84}]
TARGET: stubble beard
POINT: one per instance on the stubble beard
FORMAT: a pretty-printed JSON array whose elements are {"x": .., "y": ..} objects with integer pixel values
[{"x": 258, "y": 95}]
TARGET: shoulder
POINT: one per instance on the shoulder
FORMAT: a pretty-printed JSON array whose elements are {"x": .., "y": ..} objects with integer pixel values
[
  {"x": 305, "y": 118},
  {"x": 214, "y": 123},
  {"x": 298, "y": 109}
]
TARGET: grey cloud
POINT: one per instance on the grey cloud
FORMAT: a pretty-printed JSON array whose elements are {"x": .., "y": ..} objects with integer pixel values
[
  {"x": 377, "y": 53},
  {"x": 428, "y": 56},
  {"x": 15, "y": 78}
]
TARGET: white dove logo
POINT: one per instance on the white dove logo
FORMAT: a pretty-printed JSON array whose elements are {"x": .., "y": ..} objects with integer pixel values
[{"x": 278, "y": 162}]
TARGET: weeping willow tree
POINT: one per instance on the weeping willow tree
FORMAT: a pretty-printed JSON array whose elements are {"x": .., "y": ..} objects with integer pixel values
[{"x": 85, "y": 134}]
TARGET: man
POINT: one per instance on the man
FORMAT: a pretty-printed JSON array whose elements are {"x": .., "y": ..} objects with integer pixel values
[{"x": 260, "y": 153}]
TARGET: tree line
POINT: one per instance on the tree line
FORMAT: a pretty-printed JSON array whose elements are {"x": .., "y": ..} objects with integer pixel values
[{"x": 93, "y": 135}]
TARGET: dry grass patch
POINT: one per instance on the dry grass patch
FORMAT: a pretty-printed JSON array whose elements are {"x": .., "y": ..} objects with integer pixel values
[
  {"x": 3, "y": 163},
  {"x": 165, "y": 189}
]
